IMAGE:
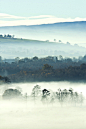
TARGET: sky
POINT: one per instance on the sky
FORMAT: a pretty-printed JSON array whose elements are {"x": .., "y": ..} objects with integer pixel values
[{"x": 15, "y": 12}]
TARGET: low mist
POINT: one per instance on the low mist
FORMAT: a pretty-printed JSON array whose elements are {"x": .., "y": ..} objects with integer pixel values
[
  {"x": 25, "y": 113},
  {"x": 27, "y": 87}
]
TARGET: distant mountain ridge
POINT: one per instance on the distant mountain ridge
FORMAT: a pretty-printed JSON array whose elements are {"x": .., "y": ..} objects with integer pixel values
[
  {"x": 74, "y": 32},
  {"x": 51, "y": 24}
]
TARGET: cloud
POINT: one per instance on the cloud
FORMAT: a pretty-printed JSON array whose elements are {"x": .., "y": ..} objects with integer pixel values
[
  {"x": 34, "y": 20},
  {"x": 3, "y": 15},
  {"x": 41, "y": 16}
]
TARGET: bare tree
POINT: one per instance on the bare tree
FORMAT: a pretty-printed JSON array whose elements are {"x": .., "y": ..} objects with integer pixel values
[{"x": 36, "y": 91}]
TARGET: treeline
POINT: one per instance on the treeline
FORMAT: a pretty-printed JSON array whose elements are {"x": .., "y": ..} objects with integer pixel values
[
  {"x": 35, "y": 63},
  {"x": 45, "y": 69},
  {"x": 6, "y": 36},
  {"x": 47, "y": 73},
  {"x": 65, "y": 96}
]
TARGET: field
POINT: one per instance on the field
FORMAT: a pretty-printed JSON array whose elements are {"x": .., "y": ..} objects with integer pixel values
[{"x": 21, "y": 115}]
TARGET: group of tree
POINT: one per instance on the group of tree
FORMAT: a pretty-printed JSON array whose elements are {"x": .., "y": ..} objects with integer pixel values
[
  {"x": 44, "y": 69},
  {"x": 58, "y": 58},
  {"x": 11, "y": 93},
  {"x": 35, "y": 64},
  {"x": 47, "y": 73},
  {"x": 6, "y": 36},
  {"x": 4, "y": 80},
  {"x": 65, "y": 96}
]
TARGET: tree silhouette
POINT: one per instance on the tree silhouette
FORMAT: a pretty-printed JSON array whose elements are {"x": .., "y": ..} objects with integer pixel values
[
  {"x": 11, "y": 93},
  {"x": 45, "y": 94},
  {"x": 36, "y": 91}
]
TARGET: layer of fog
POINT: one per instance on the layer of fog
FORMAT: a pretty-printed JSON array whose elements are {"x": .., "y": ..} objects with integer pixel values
[
  {"x": 43, "y": 118},
  {"x": 20, "y": 114},
  {"x": 54, "y": 86},
  {"x": 24, "y": 114},
  {"x": 40, "y": 49}
]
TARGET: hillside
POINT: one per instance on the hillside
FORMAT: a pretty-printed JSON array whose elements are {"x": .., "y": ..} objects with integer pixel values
[
  {"x": 74, "y": 32},
  {"x": 11, "y": 40},
  {"x": 17, "y": 47}
]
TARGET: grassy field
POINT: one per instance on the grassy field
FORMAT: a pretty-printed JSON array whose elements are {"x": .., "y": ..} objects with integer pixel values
[{"x": 4, "y": 40}]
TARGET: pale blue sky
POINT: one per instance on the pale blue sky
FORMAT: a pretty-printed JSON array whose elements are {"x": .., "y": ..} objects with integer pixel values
[{"x": 58, "y": 8}]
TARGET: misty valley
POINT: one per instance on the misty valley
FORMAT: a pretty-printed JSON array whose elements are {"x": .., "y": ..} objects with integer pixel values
[
  {"x": 42, "y": 80},
  {"x": 42, "y": 64},
  {"x": 49, "y": 90}
]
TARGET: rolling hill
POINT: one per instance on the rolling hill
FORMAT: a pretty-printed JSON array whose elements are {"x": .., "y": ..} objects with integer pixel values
[
  {"x": 17, "y": 47},
  {"x": 74, "y": 32}
]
